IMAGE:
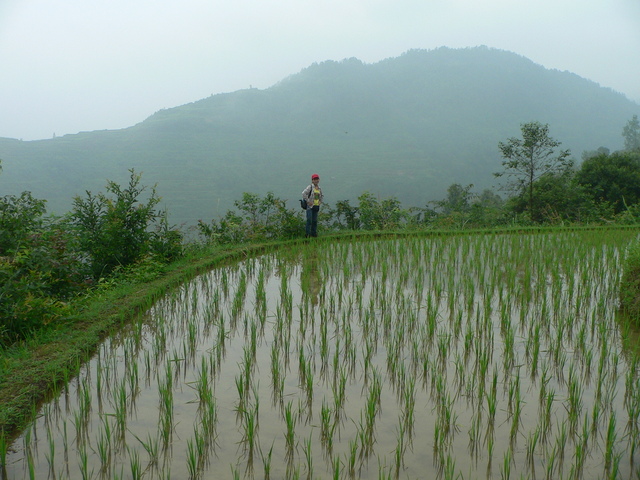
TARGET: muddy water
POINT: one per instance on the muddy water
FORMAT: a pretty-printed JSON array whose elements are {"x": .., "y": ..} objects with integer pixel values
[{"x": 469, "y": 357}]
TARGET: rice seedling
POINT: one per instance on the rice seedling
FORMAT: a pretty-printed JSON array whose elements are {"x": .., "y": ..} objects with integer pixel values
[
  {"x": 409, "y": 399},
  {"x": 83, "y": 461},
  {"x": 152, "y": 446},
  {"x": 165, "y": 410},
  {"x": 532, "y": 442},
  {"x": 134, "y": 464},
  {"x": 307, "y": 447},
  {"x": 121, "y": 410},
  {"x": 192, "y": 459},
  {"x": 505, "y": 471},
  {"x": 290, "y": 433},
  {"x": 250, "y": 429},
  {"x": 266, "y": 462},
  {"x": 492, "y": 403},
  {"x": 351, "y": 458},
  {"x": 104, "y": 446},
  {"x": 610, "y": 442},
  {"x": 51, "y": 453}
]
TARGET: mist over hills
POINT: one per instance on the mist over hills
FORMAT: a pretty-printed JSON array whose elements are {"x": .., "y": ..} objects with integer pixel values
[{"x": 407, "y": 127}]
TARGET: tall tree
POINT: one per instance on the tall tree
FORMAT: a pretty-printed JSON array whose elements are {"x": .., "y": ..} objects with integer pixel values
[
  {"x": 458, "y": 199},
  {"x": 529, "y": 158},
  {"x": 631, "y": 134}
]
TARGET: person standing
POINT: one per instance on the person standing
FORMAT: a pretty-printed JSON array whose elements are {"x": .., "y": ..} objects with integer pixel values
[{"x": 313, "y": 195}]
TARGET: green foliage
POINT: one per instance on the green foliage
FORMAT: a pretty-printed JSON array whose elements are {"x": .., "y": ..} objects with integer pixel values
[
  {"x": 383, "y": 214},
  {"x": 458, "y": 199},
  {"x": 529, "y": 158},
  {"x": 462, "y": 208},
  {"x": 166, "y": 242},
  {"x": 258, "y": 219},
  {"x": 118, "y": 230},
  {"x": 143, "y": 270},
  {"x": 46, "y": 262},
  {"x": 487, "y": 209},
  {"x": 629, "y": 216},
  {"x": 454, "y": 210},
  {"x": 38, "y": 269},
  {"x": 612, "y": 179},
  {"x": 229, "y": 229},
  {"x": 559, "y": 198},
  {"x": 19, "y": 215},
  {"x": 342, "y": 217},
  {"x": 268, "y": 217},
  {"x": 35, "y": 282}
]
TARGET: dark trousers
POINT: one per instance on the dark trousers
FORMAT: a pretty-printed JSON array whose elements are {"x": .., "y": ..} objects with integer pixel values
[{"x": 312, "y": 221}]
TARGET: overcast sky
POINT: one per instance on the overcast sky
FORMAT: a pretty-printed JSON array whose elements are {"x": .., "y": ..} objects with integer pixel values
[{"x": 80, "y": 65}]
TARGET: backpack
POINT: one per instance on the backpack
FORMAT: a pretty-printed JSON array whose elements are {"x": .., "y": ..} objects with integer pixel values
[{"x": 303, "y": 201}]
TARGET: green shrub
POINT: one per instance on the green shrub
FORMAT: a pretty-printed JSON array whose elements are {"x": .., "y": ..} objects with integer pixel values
[
  {"x": 118, "y": 230},
  {"x": 32, "y": 288},
  {"x": 258, "y": 219},
  {"x": 39, "y": 269},
  {"x": 18, "y": 216}
]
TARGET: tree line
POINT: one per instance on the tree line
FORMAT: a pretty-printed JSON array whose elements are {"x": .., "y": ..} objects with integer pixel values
[{"x": 46, "y": 262}]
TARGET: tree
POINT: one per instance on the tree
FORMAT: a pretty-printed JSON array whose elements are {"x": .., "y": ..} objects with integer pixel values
[
  {"x": 115, "y": 231},
  {"x": 487, "y": 209},
  {"x": 458, "y": 199},
  {"x": 612, "y": 178},
  {"x": 559, "y": 198},
  {"x": 631, "y": 134},
  {"x": 380, "y": 215},
  {"x": 529, "y": 158},
  {"x": 343, "y": 217}
]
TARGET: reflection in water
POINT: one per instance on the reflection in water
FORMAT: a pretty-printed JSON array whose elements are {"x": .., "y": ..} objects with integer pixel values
[
  {"x": 451, "y": 357},
  {"x": 310, "y": 280}
]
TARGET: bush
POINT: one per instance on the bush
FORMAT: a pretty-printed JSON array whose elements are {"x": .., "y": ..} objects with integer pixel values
[
  {"x": 118, "y": 230},
  {"x": 258, "y": 219},
  {"x": 39, "y": 269},
  {"x": 380, "y": 215},
  {"x": 18, "y": 216},
  {"x": 34, "y": 284}
]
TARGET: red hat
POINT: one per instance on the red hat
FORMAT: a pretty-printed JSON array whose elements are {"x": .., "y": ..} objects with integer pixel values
[{"x": 315, "y": 175}]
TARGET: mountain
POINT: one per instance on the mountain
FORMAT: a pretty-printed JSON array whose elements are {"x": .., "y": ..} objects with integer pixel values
[{"x": 406, "y": 127}]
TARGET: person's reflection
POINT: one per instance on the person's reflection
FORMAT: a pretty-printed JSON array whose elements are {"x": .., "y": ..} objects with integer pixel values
[{"x": 310, "y": 281}]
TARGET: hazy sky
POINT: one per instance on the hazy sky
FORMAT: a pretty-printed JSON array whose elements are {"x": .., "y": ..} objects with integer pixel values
[{"x": 81, "y": 65}]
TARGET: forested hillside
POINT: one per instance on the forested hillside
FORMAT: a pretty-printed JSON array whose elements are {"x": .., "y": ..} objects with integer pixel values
[{"x": 406, "y": 127}]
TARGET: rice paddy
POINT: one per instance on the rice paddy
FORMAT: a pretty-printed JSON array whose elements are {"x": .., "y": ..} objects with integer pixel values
[{"x": 494, "y": 356}]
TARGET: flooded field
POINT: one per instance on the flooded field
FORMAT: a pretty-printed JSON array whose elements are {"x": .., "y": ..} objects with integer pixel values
[{"x": 495, "y": 356}]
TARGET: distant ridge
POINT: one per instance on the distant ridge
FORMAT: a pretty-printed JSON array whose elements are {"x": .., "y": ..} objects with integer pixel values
[{"x": 407, "y": 127}]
